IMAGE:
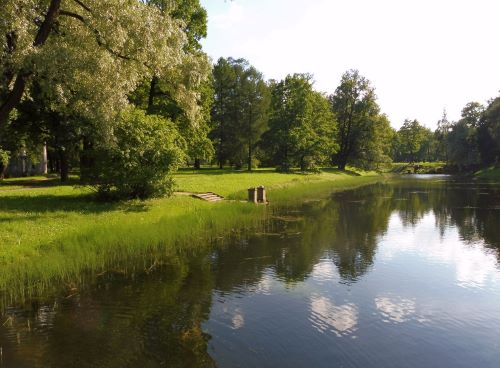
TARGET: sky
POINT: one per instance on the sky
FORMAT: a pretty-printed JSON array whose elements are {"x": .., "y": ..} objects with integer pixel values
[{"x": 422, "y": 56}]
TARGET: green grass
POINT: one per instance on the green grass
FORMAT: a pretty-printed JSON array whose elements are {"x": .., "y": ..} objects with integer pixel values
[
  {"x": 491, "y": 173},
  {"x": 51, "y": 234},
  {"x": 234, "y": 184}
]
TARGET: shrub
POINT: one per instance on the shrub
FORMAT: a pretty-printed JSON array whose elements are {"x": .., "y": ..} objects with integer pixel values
[
  {"x": 138, "y": 161},
  {"x": 4, "y": 161}
]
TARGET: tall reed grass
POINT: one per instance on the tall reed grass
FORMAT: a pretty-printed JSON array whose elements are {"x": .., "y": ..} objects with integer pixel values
[{"x": 50, "y": 238}]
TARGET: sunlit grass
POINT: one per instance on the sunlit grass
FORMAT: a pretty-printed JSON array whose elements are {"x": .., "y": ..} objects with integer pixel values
[
  {"x": 50, "y": 234},
  {"x": 234, "y": 185}
]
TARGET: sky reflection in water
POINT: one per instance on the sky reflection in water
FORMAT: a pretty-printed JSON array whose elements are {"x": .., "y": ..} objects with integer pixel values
[{"x": 405, "y": 274}]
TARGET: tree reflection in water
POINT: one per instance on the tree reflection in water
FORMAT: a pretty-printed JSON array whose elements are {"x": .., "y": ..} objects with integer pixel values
[{"x": 151, "y": 319}]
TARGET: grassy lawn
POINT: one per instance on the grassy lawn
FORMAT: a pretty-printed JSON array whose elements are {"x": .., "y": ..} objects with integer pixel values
[
  {"x": 52, "y": 232},
  {"x": 234, "y": 184}
]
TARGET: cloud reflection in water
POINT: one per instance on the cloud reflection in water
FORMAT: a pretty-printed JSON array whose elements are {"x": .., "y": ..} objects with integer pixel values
[{"x": 339, "y": 319}]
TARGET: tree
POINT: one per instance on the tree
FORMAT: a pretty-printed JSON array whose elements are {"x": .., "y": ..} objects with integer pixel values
[
  {"x": 4, "y": 161},
  {"x": 354, "y": 104},
  {"x": 166, "y": 95},
  {"x": 462, "y": 138},
  {"x": 192, "y": 15},
  {"x": 239, "y": 112},
  {"x": 137, "y": 162},
  {"x": 79, "y": 54},
  {"x": 301, "y": 124},
  {"x": 377, "y": 150},
  {"x": 442, "y": 132},
  {"x": 428, "y": 147},
  {"x": 411, "y": 136},
  {"x": 314, "y": 138},
  {"x": 255, "y": 100},
  {"x": 489, "y": 133},
  {"x": 77, "y": 67}
]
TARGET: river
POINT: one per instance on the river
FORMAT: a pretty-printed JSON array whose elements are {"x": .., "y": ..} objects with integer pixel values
[{"x": 403, "y": 274}]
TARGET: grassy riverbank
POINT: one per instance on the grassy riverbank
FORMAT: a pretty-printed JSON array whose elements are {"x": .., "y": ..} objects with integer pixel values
[
  {"x": 491, "y": 173},
  {"x": 52, "y": 233}
]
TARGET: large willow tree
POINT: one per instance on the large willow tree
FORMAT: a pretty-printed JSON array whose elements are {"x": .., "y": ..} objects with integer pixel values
[{"x": 86, "y": 56}]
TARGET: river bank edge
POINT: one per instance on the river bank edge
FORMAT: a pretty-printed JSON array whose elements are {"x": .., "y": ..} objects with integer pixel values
[{"x": 57, "y": 265}]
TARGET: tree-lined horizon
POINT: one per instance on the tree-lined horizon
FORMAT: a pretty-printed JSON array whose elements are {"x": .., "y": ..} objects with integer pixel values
[{"x": 123, "y": 91}]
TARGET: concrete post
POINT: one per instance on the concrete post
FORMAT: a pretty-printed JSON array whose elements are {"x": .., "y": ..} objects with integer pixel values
[
  {"x": 44, "y": 163},
  {"x": 261, "y": 194},
  {"x": 252, "y": 195}
]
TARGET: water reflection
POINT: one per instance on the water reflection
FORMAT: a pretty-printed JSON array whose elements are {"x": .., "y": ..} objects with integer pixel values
[
  {"x": 407, "y": 269},
  {"x": 395, "y": 309},
  {"x": 475, "y": 265},
  {"x": 339, "y": 319}
]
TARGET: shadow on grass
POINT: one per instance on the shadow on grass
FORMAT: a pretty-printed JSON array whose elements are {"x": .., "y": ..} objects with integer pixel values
[
  {"x": 85, "y": 204},
  {"x": 338, "y": 171},
  {"x": 217, "y": 171},
  {"x": 37, "y": 182}
]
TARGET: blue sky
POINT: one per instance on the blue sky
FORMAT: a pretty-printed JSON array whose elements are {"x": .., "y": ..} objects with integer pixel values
[{"x": 421, "y": 56}]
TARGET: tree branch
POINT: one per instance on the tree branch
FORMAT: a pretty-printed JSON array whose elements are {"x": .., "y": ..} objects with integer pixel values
[
  {"x": 14, "y": 96},
  {"x": 99, "y": 39},
  {"x": 83, "y": 6}
]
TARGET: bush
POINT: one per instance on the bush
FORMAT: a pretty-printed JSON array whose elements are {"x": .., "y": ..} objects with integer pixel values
[
  {"x": 4, "y": 161},
  {"x": 137, "y": 163}
]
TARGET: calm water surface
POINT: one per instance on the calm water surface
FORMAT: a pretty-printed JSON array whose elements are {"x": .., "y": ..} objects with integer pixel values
[{"x": 399, "y": 275}]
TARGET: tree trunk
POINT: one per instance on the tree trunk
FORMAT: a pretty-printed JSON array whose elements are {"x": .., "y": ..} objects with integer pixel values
[
  {"x": 3, "y": 169},
  {"x": 14, "y": 96},
  {"x": 64, "y": 165},
  {"x": 197, "y": 164},
  {"x": 249, "y": 163},
  {"x": 86, "y": 159},
  {"x": 342, "y": 164},
  {"x": 152, "y": 93},
  {"x": 302, "y": 164}
]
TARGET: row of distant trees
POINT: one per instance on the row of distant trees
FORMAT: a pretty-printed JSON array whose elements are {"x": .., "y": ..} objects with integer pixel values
[
  {"x": 472, "y": 141},
  {"x": 288, "y": 124},
  {"x": 129, "y": 98}
]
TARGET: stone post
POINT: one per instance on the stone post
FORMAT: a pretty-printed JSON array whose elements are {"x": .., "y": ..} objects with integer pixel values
[
  {"x": 261, "y": 194},
  {"x": 44, "y": 162},
  {"x": 252, "y": 195}
]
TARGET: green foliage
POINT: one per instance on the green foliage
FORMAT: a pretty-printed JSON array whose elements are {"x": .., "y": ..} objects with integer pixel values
[
  {"x": 301, "y": 125},
  {"x": 4, "y": 157},
  {"x": 441, "y": 134},
  {"x": 489, "y": 133},
  {"x": 462, "y": 139},
  {"x": 376, "y": 154},
  {"x": 239, "y": 112},
  {"x": 358, "y": 114},
  {"x": 4, "y": 161},
  {"x": 139, "y": 160},
  {"x": 411, "y": 136},
  {"x": 414, "y": 143}
]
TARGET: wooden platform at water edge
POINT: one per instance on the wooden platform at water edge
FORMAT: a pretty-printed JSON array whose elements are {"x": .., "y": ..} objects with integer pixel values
[{"x": 208, "y": 196}]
